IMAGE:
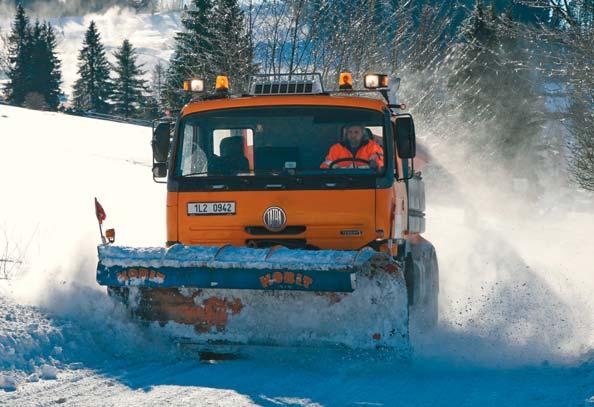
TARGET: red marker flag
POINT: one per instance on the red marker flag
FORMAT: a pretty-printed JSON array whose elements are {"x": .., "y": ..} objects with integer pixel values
[{"x": 99, "y": 212}]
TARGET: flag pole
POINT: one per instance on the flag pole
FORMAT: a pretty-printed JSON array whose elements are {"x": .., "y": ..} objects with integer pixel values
[
  {"x": 100, "y": 213},
  {"x": 103, "y": 240}
]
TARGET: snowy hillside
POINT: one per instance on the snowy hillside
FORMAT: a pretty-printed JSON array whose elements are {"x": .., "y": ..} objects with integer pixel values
[{"x": 516, "y": 306}]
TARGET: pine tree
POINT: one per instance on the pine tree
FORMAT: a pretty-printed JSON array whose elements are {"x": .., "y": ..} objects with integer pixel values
[
  {"x": 150, "y": 110},
  {"x": 19, "y": 50},
  {"x": 46, "y": 75},
  {"x": 233, "y": 51},
  {"x": 193, "y": 55},
  {"x": 93, "y": 88},
  {"x": 54, "y": 71},
  {"x": 37, "y": 64},
  {"x": 129, "y": 89}
]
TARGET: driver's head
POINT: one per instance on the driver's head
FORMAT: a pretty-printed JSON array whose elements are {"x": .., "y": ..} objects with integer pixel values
[{"x": 354, "y": 135}]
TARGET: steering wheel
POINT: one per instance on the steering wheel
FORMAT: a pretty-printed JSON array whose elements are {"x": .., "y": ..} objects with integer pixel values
[{"x": 342, "y": 160}]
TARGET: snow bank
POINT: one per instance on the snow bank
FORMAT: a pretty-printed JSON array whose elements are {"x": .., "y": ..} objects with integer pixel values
[
  {"x": 75, "y": 326},
  {"x": 49, "y": 372},
  {"x": 27, "y": 338},
  {"x": 8, "y": 383}
]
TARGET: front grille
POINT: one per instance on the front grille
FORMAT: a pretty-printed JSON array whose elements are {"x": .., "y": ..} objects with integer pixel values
[
  {"x": 262, "y": 231},
  {"x": 289, "y": 243}
]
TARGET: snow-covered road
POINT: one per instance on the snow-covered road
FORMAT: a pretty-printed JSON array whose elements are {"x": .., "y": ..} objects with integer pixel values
[
  {"x": 516, "y": 308},
  {"x": 103, "y": 368}
]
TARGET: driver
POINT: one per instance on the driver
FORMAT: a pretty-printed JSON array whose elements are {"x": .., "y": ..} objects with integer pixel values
[{"x": 355, "y": 150}]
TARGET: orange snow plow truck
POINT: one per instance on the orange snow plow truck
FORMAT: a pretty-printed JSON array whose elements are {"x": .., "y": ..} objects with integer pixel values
[{"x": 294, "y": 217}]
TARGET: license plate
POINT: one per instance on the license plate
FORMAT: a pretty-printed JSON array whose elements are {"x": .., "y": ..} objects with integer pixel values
[{"x": 211, "y": 208}]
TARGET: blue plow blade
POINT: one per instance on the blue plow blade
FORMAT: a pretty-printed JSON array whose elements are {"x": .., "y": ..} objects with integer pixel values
[{"x": 229, "y": 267}]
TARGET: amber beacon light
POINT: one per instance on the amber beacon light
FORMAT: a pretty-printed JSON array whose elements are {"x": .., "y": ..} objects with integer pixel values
[
  {"x": 222, "y": 83},
  {"x": 345, "y": 81}
]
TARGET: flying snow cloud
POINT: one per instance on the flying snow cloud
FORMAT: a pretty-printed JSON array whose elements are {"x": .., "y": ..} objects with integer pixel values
[{"x": 515, "y": 269}]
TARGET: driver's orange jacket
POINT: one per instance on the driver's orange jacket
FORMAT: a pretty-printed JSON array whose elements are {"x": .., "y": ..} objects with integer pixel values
[{"x": 368, "y": 151}]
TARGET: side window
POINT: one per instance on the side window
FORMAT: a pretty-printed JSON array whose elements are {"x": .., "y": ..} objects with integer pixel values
[
  {"x": 377, "y": 133},
  {"x": 241, "y": 144},
  {"x": 193, "y": 157}
]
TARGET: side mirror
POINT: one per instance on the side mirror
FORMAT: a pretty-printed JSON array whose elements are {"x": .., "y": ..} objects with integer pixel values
[
  {"x": 159, "y": 170},
  {"x": 404, "y": 130},
  {"x": 161, "y": 141}
]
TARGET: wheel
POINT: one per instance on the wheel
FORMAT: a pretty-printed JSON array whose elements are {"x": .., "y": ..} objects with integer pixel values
[
  {"x": 422, "y": 283},
  {"x": 431, "y": 305}
]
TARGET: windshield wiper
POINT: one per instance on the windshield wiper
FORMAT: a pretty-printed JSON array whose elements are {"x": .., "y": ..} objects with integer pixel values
[
  {"x": 349, "y": 172},
  {"x": 193, "y": 174},
  {"x": 218, "y": 173}
]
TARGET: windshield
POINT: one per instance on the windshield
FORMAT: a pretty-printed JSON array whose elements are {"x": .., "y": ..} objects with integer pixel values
[{"x": 281, "y": 140}]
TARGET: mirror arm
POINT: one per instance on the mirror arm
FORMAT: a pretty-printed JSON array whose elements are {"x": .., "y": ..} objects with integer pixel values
[
  {"x": 411, "y": 169},
  {"x": 411, "y": 172},
  {"x": 158, "y": 180}
]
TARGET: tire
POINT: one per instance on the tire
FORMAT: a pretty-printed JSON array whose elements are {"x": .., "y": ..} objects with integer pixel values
[
  {"x": 432, "y": 301},
  {"x": 410, "y": 278},
  {"x": 422, "y": 282}
]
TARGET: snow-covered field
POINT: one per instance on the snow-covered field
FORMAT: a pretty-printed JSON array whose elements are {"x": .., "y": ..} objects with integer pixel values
[{"x": 516, "y": 303}]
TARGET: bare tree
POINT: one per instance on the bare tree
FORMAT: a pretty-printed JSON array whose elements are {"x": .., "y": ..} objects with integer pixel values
[
  {"x": 569, "y": 37},
  {"x": 158, "y": 80},
  {"x": 579, "y": 73},
  {"x": 12, "y": 256},
  {"x": 329, "y": 36},
  {"x": 4, "y": 64},
  {"x": 582, "y": 145}
]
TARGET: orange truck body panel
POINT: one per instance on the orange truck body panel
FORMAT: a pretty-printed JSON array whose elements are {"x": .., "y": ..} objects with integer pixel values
[
  {"x": 295, "y": 100},
  {"x": 325, "y": 214},
  {"x": 334, "y": 219}
]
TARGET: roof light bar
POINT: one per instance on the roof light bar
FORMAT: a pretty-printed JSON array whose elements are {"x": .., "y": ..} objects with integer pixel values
[
  {"x": 376, "y": 81},
  {"x": 194, "y": 85},
  {"x": 286, "y": 84}
]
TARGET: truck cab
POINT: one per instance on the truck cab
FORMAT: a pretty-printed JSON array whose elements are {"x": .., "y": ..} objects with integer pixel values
[{"x": 248, "y": 170}]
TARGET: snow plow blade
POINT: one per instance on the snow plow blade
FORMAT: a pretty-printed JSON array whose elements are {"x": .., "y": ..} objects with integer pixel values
[
  {"x": 230, "y": 267},
  {"x": 278, "y": 296}
]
